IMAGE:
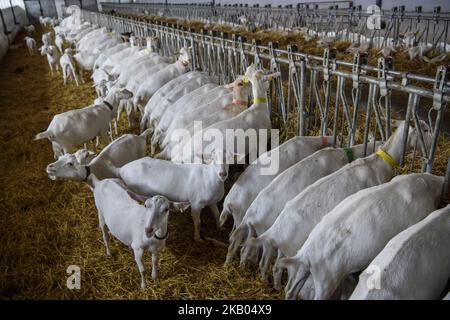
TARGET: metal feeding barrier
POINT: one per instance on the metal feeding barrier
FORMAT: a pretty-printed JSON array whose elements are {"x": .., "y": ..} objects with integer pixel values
[
  {"x": 340, "y": 19},
  {"x": 336, "y": 97}
]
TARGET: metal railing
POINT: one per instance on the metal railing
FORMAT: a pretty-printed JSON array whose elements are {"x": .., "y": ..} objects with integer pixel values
[
  {"x": 341, "y": 19},
  {"x": 323, "y": 93}
]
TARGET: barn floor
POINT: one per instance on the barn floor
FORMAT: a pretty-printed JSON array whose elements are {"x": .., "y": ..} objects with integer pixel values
[{"x": 46, "y": 226}]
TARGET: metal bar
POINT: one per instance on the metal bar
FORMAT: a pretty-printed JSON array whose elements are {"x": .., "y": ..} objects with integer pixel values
[{"x": 13, "y": 13}]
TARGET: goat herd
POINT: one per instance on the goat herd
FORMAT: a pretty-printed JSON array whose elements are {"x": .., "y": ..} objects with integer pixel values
[{"x": 326, "y": 213}]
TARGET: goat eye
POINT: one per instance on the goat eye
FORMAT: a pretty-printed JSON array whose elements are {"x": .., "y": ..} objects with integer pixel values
[
  {"x": 240, "y": 84},
  {"x": 70, "y": 164}
]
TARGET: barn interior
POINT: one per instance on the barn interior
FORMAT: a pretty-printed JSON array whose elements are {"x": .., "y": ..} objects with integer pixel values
[{"x": 331, "y": 83}]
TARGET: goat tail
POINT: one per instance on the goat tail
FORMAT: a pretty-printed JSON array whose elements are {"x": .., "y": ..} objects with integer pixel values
[
  {"x": 42, "y": 135},
  {"x": 298, "y": 273},
  {"x": 236, "y": 239}
]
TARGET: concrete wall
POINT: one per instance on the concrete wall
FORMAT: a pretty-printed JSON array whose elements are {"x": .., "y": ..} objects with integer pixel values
[{"x": 14, "y": 29}]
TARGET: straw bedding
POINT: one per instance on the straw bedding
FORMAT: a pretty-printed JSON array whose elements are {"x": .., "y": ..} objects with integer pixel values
[{"x": 47, "y": 226}]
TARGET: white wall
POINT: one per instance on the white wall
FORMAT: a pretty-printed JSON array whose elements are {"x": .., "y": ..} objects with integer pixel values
[{"x": 10, "y": 26}]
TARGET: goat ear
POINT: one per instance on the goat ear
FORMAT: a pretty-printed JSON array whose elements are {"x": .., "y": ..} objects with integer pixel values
[
  {"x": 179, "y": 205},
  {"x": 137, "y": 197},
  {"x": 229, "y": 86}
]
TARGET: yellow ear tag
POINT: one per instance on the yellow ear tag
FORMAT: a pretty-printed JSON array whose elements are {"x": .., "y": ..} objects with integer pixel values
[
  {"x": 245, "y": 80},
  {"x": 270, "y": 78}
]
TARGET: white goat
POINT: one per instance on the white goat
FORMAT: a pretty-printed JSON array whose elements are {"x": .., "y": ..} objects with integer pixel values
[
  {"x": 78, "y": 166},
  {"x": 68, "y": 66},
  {"x": 184, "y": 88},
  {"x": 118, "y": 57},
  {"x": 252, "y": 182},
  {"x": 415, "y": 264},
  {"x": 198, "y": 97},
  {"x": 254, "y": 118},
  {"x": 128, "y": 70},
  {"x": 146, "y": 71},
  {"x": 47, "y": 39},
  {"x": 140, "y": 227},
  {"x": 157, "y": 80},
  {"x": 108, "y": 52},
  {"x": 165, "y": 97},
  {"x": 301, "y": 214},
  {"x": 218, "y": 112},
  {"x": 199, "y": 184},
  {"x": 75, "y": 127},
  {"x": 357, "y": 229},
  {"x": 184, "y": 118},
  {"x": 31, "y": 45},
  {"x": 269, "y": 203},
  {"x": 53, "y": 57}
]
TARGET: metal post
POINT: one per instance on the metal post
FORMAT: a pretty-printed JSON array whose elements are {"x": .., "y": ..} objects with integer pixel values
[
  {"x": 13, "y": 13},
  {"x": 40, "y": 8}
]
